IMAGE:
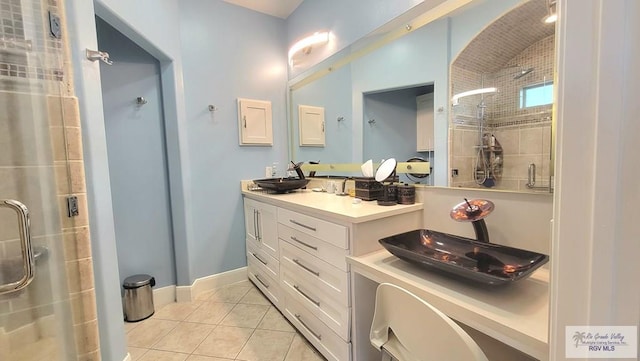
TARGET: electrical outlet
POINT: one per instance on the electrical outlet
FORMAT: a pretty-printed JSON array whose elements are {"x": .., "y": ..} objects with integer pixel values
[{"x": 454, "y": 172}]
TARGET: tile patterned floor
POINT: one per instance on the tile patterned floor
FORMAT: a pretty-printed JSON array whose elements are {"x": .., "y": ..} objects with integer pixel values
[{"x": 234, "y": 322}]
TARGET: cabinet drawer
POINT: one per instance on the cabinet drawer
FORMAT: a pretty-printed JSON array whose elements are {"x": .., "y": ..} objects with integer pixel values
[
  {"x": 300, "y": 287},
  {"x": 267, "y": 285},
  {"x": 328, "y": 280},
  {"x": 269, "y": 264},
  {"x": 327, "y": 231},
  {"x": 317, "y": 247},
  {"x": 326, "y": 341}
]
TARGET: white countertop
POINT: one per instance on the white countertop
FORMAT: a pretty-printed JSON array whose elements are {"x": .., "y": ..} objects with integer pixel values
[
  {"x": 515, "y": 314},
  {"x": 330, "y": 206}
]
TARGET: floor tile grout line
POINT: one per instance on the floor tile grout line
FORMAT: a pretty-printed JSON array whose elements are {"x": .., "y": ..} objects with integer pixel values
[{"x": 235, "y": 303}]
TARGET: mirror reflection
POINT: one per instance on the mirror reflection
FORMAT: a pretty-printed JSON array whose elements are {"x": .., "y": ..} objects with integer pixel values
[
  {"x": 502, "y": 95},
  {"x": 494, "y": 140}
]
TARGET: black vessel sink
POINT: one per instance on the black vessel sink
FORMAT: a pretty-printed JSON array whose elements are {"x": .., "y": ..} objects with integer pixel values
[
  {"x": 481, "y": 262},
  {"x": 281, "y": 185}
]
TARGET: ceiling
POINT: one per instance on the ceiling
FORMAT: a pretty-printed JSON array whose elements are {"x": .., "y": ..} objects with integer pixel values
[
  {"x": 505, "y": 38},
  {"x": 278, "y": 8}
]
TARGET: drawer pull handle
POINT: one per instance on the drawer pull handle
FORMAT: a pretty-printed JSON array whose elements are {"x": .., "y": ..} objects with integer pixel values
[
  {"x": 259, "y": 259},
  {"x": 261, "y": 281},
  {"x": 304, "y": 244},
  {"x": 295, "y": 260},
  {"x": 302, "y": 225},
  {"x": 317, "y": 335},
  {"x": 306, "y": 295}
]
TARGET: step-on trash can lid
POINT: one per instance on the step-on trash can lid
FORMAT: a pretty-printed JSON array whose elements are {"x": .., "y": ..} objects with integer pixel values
[{"x": 137, "y": 281}]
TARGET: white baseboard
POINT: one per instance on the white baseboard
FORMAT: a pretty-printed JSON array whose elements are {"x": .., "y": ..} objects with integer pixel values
[
  {"x": 164, "y": 296},
  {"x": 128, "y": 357},
  {"x": 189, "y": 293}
]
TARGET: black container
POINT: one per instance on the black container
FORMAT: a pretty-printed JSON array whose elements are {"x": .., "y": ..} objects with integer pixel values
[
  {"x": 388, "y": 196},
  {"x": 406, "y": 194},
  {"x": 367, "y": 188}
]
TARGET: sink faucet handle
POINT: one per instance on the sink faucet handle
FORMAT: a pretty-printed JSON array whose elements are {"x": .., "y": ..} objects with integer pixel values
[
  {"x": 298, "y": 168},
  {"x": 472, "y": 210}
]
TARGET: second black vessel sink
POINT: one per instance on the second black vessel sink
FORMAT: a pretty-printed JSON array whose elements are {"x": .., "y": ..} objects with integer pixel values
[{"x": 482, "y": 262}]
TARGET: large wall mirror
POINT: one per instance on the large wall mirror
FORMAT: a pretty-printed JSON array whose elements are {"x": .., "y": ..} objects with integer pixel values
[{"x": 374, "y": 105}]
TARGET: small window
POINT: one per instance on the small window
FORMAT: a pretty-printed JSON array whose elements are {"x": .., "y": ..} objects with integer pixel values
[{"x": 536, "y": 95}]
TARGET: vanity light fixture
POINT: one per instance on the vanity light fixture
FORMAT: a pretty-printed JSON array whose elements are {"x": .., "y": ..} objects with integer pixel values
[
  {"x": 456, "y": 97},
  {"x": 306, "y": 45},
  {"x": 552, "y": 15}
]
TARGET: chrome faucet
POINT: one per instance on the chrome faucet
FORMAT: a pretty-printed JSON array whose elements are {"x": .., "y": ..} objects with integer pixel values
[
  {"x": 297, "y": 167},
  {"x": 474, "y": 211}
]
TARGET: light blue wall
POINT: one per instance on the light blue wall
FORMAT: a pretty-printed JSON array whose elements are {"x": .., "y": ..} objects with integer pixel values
[
  {"x": 420, "y": 57},
  {"x": 333, "y": 92},
  {"x": 347, "y": 21},
  {"x": 229, "y": 52},
  {"x": 393, "y": 134},
  {"x": 137, "y": 159},
  {"x": 206, "y": 201},
  {"x": 158, "y": 32}
]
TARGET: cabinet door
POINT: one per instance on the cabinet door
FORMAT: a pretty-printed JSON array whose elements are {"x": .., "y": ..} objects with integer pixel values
[
  {"x": 254, "y": 118},
  {"x": 424, "y": 123},
  {"x": 311, "y": 125},
  {"x": 268, "y": 229},
  {"x": 250, "y": 221},
  {"x": 261, "y": 226}
]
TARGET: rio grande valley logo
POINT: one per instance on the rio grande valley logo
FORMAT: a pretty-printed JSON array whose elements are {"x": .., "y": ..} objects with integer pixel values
[{"x": 601, "y": 341}]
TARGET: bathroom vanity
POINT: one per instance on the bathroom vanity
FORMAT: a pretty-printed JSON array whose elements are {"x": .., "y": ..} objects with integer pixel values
[
  {"x": 297, "y": 248},
  {"x": 318, "y": 259}
]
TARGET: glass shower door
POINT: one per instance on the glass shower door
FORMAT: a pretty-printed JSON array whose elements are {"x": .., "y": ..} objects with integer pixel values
[
  {"x": 44, "y": 300},
  {"x": 36, "y": 321}
]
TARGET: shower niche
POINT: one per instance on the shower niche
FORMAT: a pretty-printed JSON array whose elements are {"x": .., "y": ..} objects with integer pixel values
[{"x": 502, "y": 95}]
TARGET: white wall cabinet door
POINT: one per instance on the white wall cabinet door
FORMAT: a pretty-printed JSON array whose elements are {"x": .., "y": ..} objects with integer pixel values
[
  {"x": 311, "y": 125},
  {"x": 424, "y": 123},
  {"x": 255, "y": 122}
]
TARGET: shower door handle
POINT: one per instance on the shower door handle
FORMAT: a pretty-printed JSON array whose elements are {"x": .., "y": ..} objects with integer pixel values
[{"x": 24, "y": 225}]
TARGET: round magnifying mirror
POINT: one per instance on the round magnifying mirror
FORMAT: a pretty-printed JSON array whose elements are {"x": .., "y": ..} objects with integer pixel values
[{"x": 386, "y": 169}]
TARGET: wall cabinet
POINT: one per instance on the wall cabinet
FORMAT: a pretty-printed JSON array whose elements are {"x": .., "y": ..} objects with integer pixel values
[
  {"x": 312, "y": 126},
  {"x": 255, "y": 122},
  {"x": 424, "y": 123}
]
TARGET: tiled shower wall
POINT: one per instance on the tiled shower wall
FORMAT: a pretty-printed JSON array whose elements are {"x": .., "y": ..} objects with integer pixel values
[
  {"x": 525, "y": 134},
  {"x": 41, "y": 163}
]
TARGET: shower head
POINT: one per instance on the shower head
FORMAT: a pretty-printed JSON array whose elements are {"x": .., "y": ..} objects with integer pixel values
[{"x": 523, "y": 72}]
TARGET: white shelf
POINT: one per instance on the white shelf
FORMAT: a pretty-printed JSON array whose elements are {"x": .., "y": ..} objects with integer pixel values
[{"x": 516, "y": 315}]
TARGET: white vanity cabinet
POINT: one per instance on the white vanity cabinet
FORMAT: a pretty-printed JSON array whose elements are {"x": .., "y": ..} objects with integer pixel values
[
  {"x": 316, "y": 291},
  {"x": 261, "y": 237},
  {"x": 316, "y": 232},
  {"x": 261, "y": 225}
]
